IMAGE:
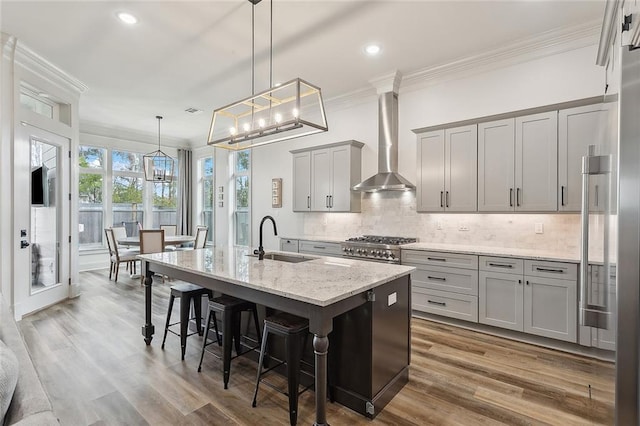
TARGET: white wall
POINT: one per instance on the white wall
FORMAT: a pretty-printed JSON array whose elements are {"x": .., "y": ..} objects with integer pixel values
[{"x": 553, "y": 79}]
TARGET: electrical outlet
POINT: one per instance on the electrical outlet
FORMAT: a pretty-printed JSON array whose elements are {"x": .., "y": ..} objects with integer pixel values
[
  {"x": 439, "y": 225},
  {"x": 539, "y": 228},
  {"x": 463, "y": 227}
]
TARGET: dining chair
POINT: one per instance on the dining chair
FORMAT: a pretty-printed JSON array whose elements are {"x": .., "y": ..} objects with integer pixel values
[
  {"x": 132, "y": 228},
  {"x": 170, "y": 231},
  {"x": 118, "y": 256},
  {"x": 151, "y": 241},
  {"x": 201, "y": 237}
]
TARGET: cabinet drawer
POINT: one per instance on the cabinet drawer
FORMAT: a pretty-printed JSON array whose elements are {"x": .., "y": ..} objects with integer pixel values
[
  {"x": 457, "y": 280},
  {"x": 506, "y": 265},
  {"x": 460, "y": 306},
  {"x": 321, "y": 248},
  {"x": 288, "y": 245},
  {"x": 454, "y": 260},
  {"x": 546, "y": 269}
]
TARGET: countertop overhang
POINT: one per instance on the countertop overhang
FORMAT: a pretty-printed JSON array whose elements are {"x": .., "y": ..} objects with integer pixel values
[{"x": 319, "y": 281}]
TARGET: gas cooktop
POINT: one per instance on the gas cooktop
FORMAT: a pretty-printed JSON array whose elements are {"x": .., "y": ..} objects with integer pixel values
[{"x": 375, "y": 247}]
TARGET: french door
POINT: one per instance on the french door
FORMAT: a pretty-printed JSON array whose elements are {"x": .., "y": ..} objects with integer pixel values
[{"x": 41, "y": 205}]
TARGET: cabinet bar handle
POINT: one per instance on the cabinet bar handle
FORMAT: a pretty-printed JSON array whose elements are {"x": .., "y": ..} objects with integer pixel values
[
  {"x": 319, "y": 247},
  {"x": 330, "y": 201},
  {"x": 326, "y": 201},
  {"x": 441, "y": 198},
  {"x": 433, "y": 302},
  {"x": 562, "y": 195},
  {"x": 308, "y": 201},
  {"x": 436, "y": 278},
  {"x": 510, "y": 197},
  {"x": 596, "y": 196},
  {"x": 439, "y": 259},
  {"x": 500, "y": 265},
  {"x": 446, "y": 197},
  {"x": 555, "y": 271},
  {"x": 518, "y": 197},
  {"x": 527, "y": 282},
  {"x": 519, "y": 281}
]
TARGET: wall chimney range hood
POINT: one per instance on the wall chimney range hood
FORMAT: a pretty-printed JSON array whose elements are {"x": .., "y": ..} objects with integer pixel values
[{"x": 387, "y": 178}]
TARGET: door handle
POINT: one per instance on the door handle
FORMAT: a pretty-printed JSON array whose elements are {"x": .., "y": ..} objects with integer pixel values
[
  {"x": 326, "y": 201},
  {"x": 330, "y": 201},
  {"x": 518, "y": 197},
  {"x": 510, "y": 197},
  {"x": 562, "y": 195},
  {"x": 596, "y": 196},
  {"x": 446, "y": 197},
  {"x": 308, "y": 201},
  {"x": 24, "y": 244},
  {"x": 441, "y": 198}
]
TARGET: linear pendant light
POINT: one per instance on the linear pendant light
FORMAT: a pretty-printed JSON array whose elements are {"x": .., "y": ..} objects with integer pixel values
[
  {"x": 290, "y": 110},
  {"x": 158, "y": 166}
]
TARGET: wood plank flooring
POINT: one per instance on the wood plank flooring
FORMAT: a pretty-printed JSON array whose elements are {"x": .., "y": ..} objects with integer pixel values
[{"x": 96, "y": 369}]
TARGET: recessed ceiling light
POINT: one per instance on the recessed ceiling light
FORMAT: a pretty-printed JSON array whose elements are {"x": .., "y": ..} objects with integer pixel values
[
  {"x": 127, "y": 18},
  {"x": 372, "y": 49}
]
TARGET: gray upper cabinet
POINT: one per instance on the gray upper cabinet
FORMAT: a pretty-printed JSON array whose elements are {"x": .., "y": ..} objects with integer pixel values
[
  {"x": 577, "y": 129},
  {"x": 447, "y": 170},
  {"x": 323, "y": 177},
  {"x": 302, "y": 182},
  {"x": 537, "y": 162},
  {"x": 496, "y": 154},
  {"x": 517, "y": 164}
]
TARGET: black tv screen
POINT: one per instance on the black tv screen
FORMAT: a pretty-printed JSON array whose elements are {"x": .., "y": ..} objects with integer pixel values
[{"x": 39, "y": 190}]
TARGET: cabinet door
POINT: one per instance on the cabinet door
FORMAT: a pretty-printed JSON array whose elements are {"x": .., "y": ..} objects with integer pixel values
[
  {"x": 320, "y": 179},
  {"x": 340, "y": 194},
  {"x": 577, "y": 129},
  {"x": 431, "y": 172},
  {"x": 500, "y": 299},
  {"x": 461, "y": 169},
  {"x": 537, "y": 162},
  {"x": 495, "y": 166},
  {"x": 302, "y": 182},
  {"x": 550, "y": 308}
]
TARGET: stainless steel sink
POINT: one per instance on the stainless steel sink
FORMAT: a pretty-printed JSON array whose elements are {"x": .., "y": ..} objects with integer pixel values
[{"x": 283, "y": 257}]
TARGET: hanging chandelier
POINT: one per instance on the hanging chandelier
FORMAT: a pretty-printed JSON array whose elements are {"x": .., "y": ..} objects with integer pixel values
[
  {"x": 158, "y": 166},
  {"x": 286, "y": 111}
]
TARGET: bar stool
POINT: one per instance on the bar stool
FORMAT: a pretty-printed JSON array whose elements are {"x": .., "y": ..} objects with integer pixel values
[
  {"x": 230, "y": 310},
  {"x": 189, "y": 294},
  {"x": 295, "y": 331}
]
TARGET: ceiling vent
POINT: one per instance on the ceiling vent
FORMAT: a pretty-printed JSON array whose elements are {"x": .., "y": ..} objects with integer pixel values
[{"x": 193, "y": 110}]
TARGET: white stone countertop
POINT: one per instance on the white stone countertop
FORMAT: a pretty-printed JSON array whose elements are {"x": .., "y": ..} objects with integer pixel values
[
  {"x": 537, "y": 254},
  {"x": 320, "y": 239},
  {"x": 320, "y": 281}
]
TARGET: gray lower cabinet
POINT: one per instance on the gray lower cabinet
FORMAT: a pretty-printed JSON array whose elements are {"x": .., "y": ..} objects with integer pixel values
[
  {"x": 320, "y": 248},
  {"x": 444, "y": 283},
  {"x": 289, "y": 244},
  {"x": 536, "y": 297}
]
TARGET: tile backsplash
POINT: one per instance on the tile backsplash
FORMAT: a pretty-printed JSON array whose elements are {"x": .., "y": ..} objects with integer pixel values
[{"x": 394, "y": 213}]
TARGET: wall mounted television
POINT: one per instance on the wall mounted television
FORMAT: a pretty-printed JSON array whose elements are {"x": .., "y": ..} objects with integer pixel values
[{"x": 40, "y": 186}]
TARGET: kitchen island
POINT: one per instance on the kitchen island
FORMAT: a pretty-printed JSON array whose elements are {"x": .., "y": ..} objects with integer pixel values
[{"x": 356, "y": 294}]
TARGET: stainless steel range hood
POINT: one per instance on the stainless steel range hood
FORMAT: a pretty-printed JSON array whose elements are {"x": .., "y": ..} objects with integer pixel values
[{"x": 387, "y": 178}]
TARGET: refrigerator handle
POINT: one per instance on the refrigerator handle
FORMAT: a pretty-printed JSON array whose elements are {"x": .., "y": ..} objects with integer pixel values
[{"x": 591, "y": 315}]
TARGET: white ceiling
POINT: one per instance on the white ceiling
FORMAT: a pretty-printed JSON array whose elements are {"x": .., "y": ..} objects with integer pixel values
[{"x": 198, "y": 53}]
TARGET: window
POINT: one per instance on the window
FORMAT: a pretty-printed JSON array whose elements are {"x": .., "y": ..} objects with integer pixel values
[
  {"x": 242, "y": 190},
  {"x": 207, "y": 185},
  {"x": 127, "y": 197},
  {"x": 33, "y": 103},
  {"x": 165, "y": 200},
  {"x": 91, "y": 188}
]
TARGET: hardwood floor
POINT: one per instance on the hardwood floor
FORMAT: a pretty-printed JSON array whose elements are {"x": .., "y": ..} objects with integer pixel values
[{"x": 91, "y": 357}]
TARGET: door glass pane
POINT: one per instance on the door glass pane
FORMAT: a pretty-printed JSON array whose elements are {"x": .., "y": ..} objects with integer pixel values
[
  {"x": 90, "y": 225},
  {"x": 45, "y": 235}
]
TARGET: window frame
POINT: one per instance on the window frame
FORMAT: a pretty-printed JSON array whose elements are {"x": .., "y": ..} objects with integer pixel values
[{"x": 234, "y": 178}]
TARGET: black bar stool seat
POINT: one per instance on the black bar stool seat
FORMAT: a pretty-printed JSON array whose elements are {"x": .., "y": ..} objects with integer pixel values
[
  {"x": 189, "y": 294},
  {"x": 295, "y": 331},
  {"x": 230, "y": 310}
]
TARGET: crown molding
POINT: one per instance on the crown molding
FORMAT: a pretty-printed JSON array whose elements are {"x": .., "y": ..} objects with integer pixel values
[
  {"x": 8, "y": 46},
  {"x": 545, "y": 44},
  {"x": 113, "y": 132},
  {"x": 35, "y": 63}
]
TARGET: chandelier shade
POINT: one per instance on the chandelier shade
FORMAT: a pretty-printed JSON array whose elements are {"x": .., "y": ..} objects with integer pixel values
[
  {"x": 290, "y": 110},
  {"x": 158, "y": 166}
]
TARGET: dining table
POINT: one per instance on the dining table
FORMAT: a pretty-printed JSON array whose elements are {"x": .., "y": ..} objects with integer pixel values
[{"x": 170, "y": 240}]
